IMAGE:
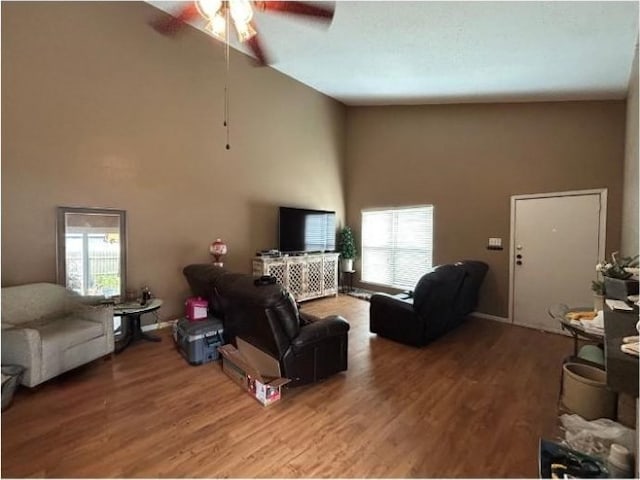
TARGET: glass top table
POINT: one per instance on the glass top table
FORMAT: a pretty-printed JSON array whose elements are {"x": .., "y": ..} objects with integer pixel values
[
  {"x": 130, "y": 312},
  {"x": 128, "y": 308},
  {"x": 575, "y": 328}
]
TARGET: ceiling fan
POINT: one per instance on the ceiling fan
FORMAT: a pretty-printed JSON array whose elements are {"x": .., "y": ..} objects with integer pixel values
[{"x": 219, "y": 14}]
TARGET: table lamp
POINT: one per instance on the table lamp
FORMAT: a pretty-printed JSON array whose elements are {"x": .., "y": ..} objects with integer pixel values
[{"x": 218, "y": 249}]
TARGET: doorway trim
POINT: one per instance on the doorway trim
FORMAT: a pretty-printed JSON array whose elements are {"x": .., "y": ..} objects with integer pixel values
[{"x": 602, "y": 234}]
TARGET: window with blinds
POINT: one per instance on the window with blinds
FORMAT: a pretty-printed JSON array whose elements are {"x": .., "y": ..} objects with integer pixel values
[{"x": 397, "y": 245}]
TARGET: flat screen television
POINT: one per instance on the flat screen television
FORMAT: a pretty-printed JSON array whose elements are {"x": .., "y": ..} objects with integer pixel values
[{"x": 302, "y": 230}]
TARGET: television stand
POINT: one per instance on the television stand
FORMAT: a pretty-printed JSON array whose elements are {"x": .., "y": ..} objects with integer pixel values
[{"x": 306, "y": 276}]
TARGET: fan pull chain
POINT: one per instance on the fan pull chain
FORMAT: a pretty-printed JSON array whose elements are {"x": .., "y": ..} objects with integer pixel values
[{"x": 226, "y": 79}]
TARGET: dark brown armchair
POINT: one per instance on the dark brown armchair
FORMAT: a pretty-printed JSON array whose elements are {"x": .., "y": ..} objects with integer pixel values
[{"x": 308, "y": 348}]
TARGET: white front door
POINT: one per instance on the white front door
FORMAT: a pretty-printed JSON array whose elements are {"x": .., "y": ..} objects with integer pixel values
[{"x": 556, "y": 243}]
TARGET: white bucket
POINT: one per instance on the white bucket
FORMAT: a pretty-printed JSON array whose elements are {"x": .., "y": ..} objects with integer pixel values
[{"x": 585, "y": 392}]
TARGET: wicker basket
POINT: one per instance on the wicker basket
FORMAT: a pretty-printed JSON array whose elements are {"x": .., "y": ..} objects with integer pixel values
[{"x": 9, "y": 386}]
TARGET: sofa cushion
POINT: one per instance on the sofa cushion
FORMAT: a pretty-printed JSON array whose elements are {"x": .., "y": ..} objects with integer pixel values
[
  {"x": 438, "y": 288},
  {"x": 280, "y": 308},
  {"x": 67, "y": 331},
  {"x": 289, "y": 315},
  {"x": 24, "y": 303}
]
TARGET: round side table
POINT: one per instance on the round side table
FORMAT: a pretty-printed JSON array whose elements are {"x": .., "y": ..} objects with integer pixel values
[{"x": 130, "y": 314}]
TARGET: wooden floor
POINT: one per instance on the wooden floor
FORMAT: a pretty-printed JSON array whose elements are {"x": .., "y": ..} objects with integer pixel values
[{"x": 472, "y": 404}]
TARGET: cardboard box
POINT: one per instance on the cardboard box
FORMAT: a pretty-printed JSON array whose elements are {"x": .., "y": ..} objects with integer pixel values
[{"x": 255, "y": 371}]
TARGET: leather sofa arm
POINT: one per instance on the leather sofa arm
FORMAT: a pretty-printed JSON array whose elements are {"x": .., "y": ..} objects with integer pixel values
[
  {"x": 307, "y": 318},
  {"x": 386, "y": 301},
  {"x": 396, "y": 319},
  {"x": 317, "y": 331}
]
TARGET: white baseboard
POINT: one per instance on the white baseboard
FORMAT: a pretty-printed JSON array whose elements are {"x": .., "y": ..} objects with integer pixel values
[
  {"x": 158, "y": 326},
  {"x": 487, "y": 316}
]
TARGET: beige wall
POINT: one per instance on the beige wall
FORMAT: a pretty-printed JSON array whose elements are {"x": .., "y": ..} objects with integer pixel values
[
  {"x": 629, "y": 244},
  {"x": 467, "y": 160},
  {"x": 99, "y": 110}
]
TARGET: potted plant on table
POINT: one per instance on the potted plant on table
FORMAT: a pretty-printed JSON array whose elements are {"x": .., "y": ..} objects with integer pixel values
[
  {"x": 347, "y": 248},
  {"x": 617, "y": 281}
]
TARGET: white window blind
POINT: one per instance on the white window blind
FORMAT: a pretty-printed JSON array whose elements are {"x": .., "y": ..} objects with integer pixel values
[{"x": 397, "y": 245}]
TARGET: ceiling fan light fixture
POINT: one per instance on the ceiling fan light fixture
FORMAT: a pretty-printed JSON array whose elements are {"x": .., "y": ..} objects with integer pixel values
[
  {"x": 218, "y": 25},
  {"x": 245, "y": 31},
  {"x": 216, "y": 13},
  {"x": 241, "y": 11},
  {"x": 208, "y": 8}
]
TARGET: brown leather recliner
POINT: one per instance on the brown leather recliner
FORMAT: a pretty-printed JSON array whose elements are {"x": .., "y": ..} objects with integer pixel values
[{"x": 308, "y": 348}]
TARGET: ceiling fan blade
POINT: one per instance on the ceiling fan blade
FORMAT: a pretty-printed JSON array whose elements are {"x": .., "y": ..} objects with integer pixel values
[
  {"x": 324, "y": 12},
  {"x": 255, "y": 45},
  {"x": 173, "y": 24}
]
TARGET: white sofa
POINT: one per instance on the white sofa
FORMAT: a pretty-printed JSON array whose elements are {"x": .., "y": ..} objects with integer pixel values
[{"x": 49, "y": 330}]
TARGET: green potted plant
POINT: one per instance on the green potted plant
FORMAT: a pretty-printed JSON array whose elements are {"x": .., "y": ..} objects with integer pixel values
[{"x": 347, "y": 249}]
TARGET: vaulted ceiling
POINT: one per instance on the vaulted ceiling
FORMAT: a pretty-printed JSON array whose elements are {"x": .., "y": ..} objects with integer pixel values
[{"x": 408, "y": 52}]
